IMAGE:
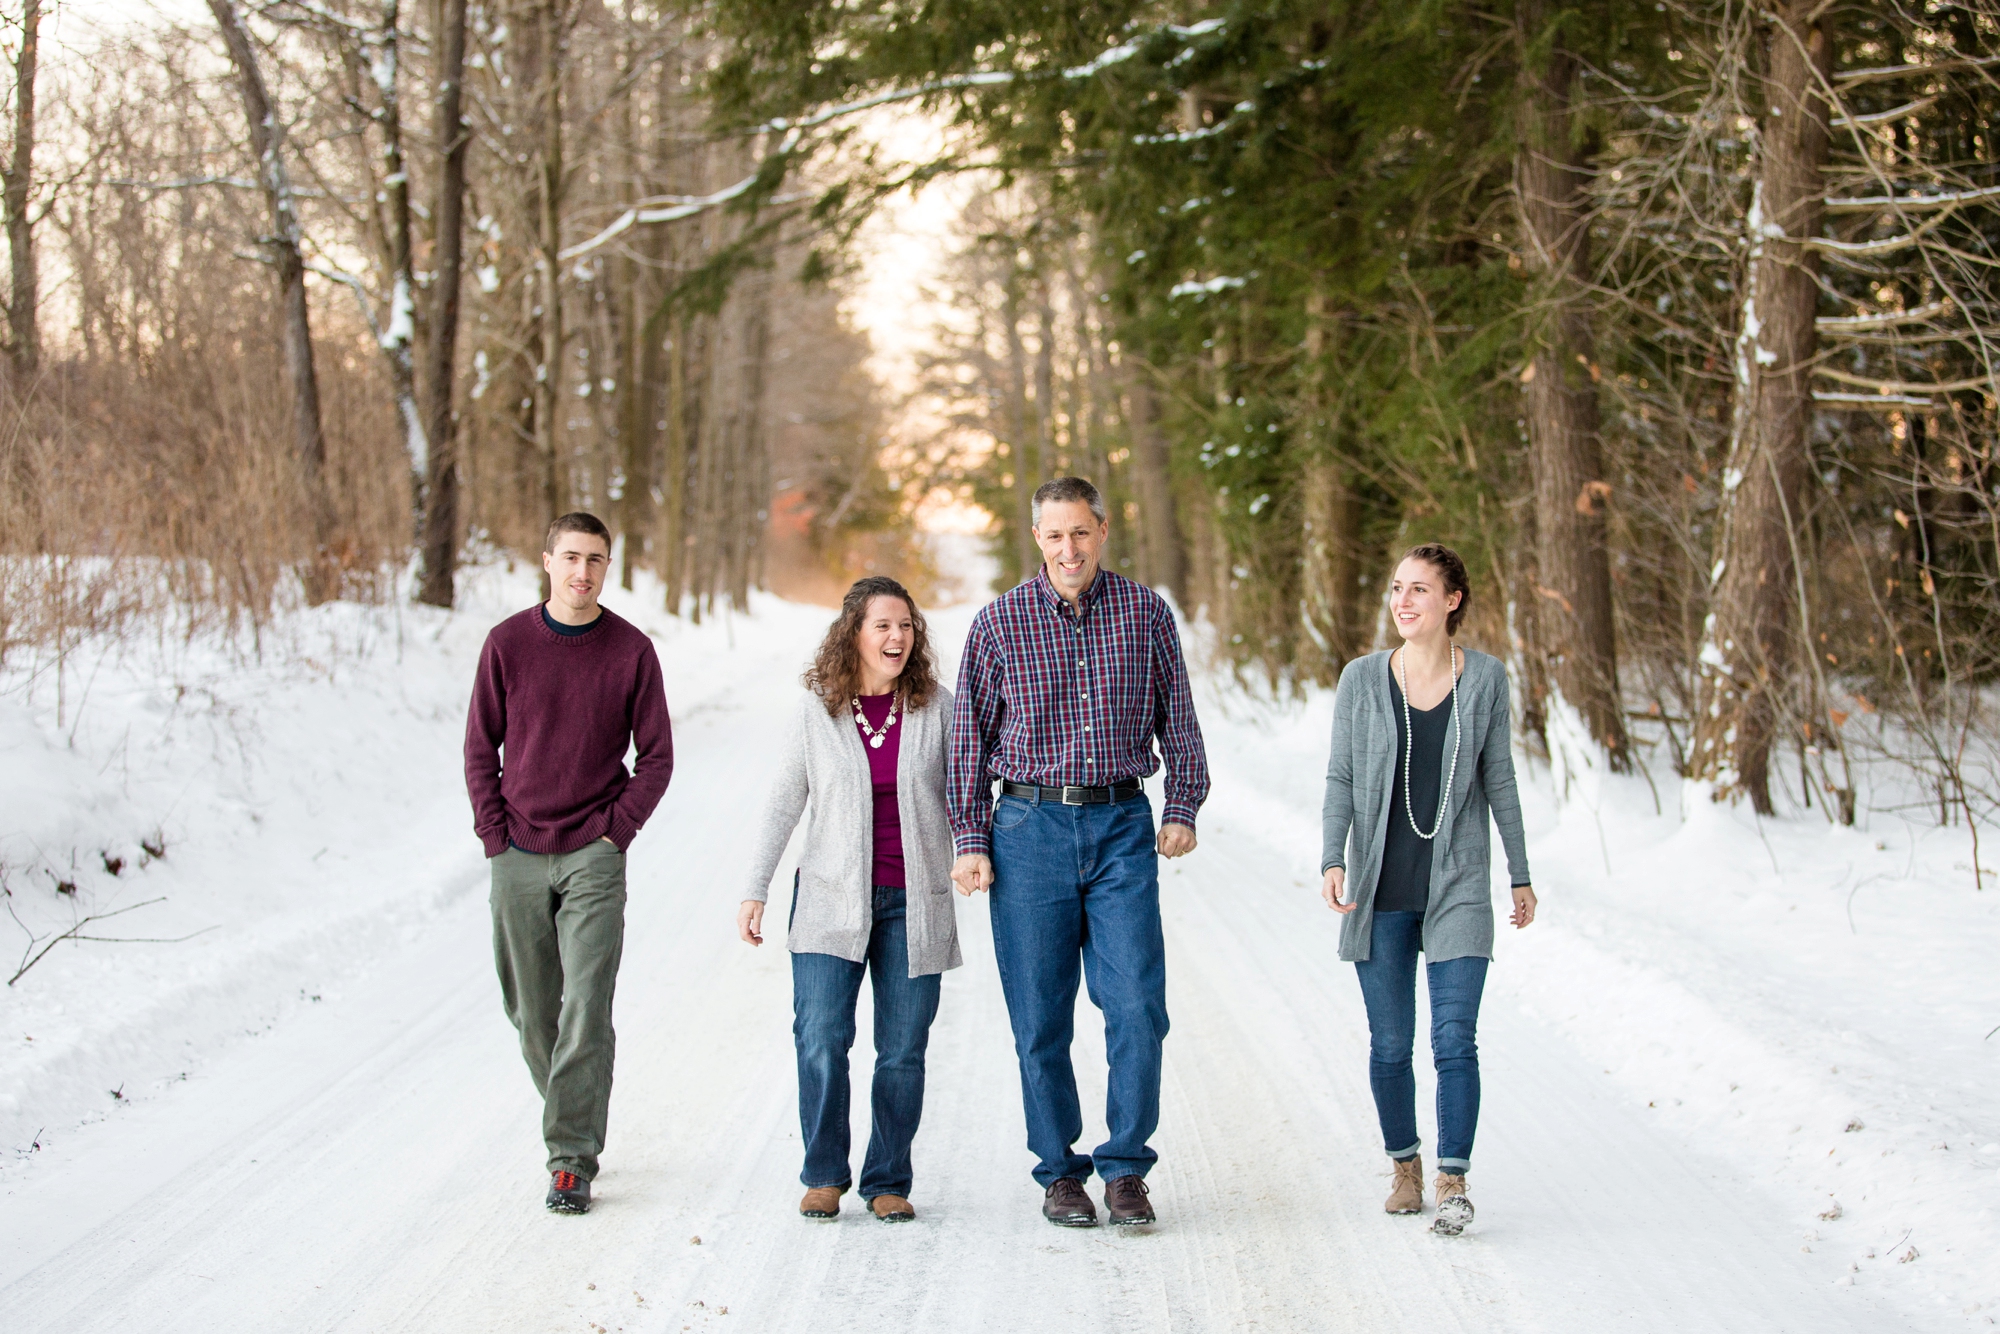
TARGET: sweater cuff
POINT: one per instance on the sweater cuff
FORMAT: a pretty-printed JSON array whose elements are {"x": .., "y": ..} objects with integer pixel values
[
  {"x": 495, "y": 842},
  {"x": 622, "y": 830}
]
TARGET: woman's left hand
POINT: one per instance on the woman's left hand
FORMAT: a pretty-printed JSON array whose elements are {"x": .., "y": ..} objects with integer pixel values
[
  {"x": 750, "y": 921},
  {"x": 1524, "y": 906}
]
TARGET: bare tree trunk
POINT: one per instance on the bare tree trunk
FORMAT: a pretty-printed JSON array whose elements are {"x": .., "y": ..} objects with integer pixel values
[
  {"x": 454, "y": 138},
  {"x": 1746, "y": 655},
  {"x": 752, "y": 489},
  {"x": 267, "y": 145},
  {"x": 23, "y": 322},
  {"x": 1017, "y": 427},
  {"x": 1045, "y": 386},
  {"x": 1330, "y": 578},
  {"x": 1159, "y": 527},
  {"x": 630, "y": 323},
  {"x": 549, "y": 371},
  {"x": 399, "y": 338},
  {"x": 1565, "y": 448},
  {"x": 1528, "y": 663},
  {"x": 673, "y": 470}
]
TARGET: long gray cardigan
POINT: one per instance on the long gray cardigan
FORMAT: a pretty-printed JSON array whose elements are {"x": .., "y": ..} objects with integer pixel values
[
  {"x": 1361, "y": 774},
  {"x": 833, "y": 907}
]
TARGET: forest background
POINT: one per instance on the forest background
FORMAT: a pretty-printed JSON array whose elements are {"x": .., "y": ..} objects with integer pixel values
[{"x": 1676, "y": 318}]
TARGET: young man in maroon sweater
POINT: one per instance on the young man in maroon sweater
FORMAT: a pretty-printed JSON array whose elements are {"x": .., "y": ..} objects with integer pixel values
[{"x": 564, "y": 688}]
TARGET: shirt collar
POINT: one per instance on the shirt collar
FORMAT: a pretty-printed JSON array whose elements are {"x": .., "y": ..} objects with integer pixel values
[{"x": 1090, "y": 597}]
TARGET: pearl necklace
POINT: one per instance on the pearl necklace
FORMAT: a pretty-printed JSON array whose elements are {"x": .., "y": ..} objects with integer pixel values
[
  {"x": 875, "y": 738},
  {"x": 1410, "y": 744}
]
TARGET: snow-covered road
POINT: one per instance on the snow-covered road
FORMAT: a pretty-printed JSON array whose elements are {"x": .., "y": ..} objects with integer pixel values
[{"x": 373, "y": 1162}]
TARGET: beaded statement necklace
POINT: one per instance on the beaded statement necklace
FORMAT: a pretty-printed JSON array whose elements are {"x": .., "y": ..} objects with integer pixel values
[
  {"x": 1410, "y": 744},
  {"x": 875, "y": 738}
]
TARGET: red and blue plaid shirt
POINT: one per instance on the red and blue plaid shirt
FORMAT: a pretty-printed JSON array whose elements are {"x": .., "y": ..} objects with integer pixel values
[{"x": 1048, "y": 696}]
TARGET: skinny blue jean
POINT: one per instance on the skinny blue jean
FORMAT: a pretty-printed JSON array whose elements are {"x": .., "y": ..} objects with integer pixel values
[
  {"x": 1389, "y": 989},
  {"x": 825, "y": 988},
  {"x": 1076, "y": 894}
]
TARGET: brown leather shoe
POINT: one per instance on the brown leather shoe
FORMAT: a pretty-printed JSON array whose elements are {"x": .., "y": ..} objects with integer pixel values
[
  {"x": 822, "y": 1202},
  {"x": 892, "y": 1209},
  {"x": 1066, "y": 1205},
  {"x": 1125, "y": 1201}
]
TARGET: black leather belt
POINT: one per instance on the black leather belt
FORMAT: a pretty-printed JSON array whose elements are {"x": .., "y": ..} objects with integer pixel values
[{"x": 1075, "y": 796}]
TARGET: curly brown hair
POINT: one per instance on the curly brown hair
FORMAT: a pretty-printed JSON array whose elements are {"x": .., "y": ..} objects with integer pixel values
[
  {"x": 1451, "y": 572},
  {"x": 835, "y": 675}
]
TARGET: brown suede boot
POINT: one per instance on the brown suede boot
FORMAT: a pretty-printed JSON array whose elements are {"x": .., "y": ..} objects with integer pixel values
[
  {"x": 892, "y": 1209},
  {"x": 1454, "y": 1206},
  {"x": 822, "y": 1202},
  {"x": 1406, "y": 1196}
]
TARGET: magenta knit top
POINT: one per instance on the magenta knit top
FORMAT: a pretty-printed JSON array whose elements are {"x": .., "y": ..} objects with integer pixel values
[
  {"x": 564, "y": 708},
  {"x": 882, "y": 769}
]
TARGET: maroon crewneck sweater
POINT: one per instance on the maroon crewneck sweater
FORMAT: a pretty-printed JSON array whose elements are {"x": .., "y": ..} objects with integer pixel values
[{"x": 565, "y": 707}]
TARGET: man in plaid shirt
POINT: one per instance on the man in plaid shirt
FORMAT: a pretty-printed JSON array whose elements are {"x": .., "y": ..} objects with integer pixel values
[{"x": 1065, "y": 683}]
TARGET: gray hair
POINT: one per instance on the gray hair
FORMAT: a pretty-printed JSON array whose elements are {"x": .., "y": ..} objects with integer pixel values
[{"x": 1066, "y": 489}]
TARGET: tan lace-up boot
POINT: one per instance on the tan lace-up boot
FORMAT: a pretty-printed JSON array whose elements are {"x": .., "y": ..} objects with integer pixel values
[
  {"x": 1407, "y": 1195},
  {"x": 1453, "y": 1204}
]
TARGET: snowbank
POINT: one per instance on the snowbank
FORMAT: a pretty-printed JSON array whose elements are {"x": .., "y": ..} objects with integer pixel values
[{"x": 264, "y": 820}]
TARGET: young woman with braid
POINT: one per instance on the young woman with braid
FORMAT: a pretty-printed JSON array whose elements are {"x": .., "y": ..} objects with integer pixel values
[{"x": 1420, "y": 756}]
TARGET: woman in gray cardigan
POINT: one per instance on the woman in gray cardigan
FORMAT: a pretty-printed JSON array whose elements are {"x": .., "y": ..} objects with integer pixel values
[
  {"x": 873, "y": 889},
  {"x": 1409, "y": 876}
]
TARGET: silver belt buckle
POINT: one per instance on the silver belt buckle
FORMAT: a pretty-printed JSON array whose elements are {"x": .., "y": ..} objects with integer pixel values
[{"x": 1067, "y": 800}]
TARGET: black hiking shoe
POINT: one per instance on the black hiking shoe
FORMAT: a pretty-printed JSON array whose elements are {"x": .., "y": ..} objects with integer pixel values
[
  {"x": 568, "y": 1194},
  {"x": 1066, "y": 1205}
]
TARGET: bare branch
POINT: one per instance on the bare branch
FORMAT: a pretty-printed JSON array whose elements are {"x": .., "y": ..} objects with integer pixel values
[
  {"x": 1922, "y": 104},
  {"x": 1855, "y": 77},
  {"x": 1984, "y": 382},
  {"x": 1886, "y": 320},
  {"x": 74, "y": 933},
  {"x": 1911, "y": 203}
]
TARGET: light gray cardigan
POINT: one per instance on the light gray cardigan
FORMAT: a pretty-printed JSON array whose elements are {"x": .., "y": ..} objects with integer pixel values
[
  {"x": 1361, "y": 774},
  {"x": 833, "y": 906}
]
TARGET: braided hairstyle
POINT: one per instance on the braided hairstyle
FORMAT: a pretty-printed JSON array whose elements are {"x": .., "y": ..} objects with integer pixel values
[{"x": 1450, "y": 567}]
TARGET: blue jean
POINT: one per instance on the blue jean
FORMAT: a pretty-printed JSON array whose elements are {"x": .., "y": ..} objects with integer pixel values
[
  {"x": 824, "y": 990},
  {"x": 1389, "y": 988},
  {"x": 1077, "y": 890}
]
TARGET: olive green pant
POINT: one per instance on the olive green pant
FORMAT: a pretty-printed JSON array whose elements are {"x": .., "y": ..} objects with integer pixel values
[{"x": 558, "y": 932}]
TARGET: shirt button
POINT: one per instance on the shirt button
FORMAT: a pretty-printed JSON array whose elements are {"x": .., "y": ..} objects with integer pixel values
[{"x": 1086, "y": 727}]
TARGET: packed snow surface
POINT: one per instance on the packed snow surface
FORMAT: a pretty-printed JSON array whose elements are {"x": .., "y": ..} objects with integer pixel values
[{"x": 1735, "y": 1077}]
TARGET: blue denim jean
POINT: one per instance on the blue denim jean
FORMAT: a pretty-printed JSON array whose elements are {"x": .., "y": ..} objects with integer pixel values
[
  {"x": 1076, "y": 891},
  {"x": 1389, "y": 988},
  {"x": 824, "y": 990}
]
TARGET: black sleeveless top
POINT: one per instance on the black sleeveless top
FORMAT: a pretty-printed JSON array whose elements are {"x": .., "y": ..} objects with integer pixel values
[{"x": 1405, "y": 885}]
